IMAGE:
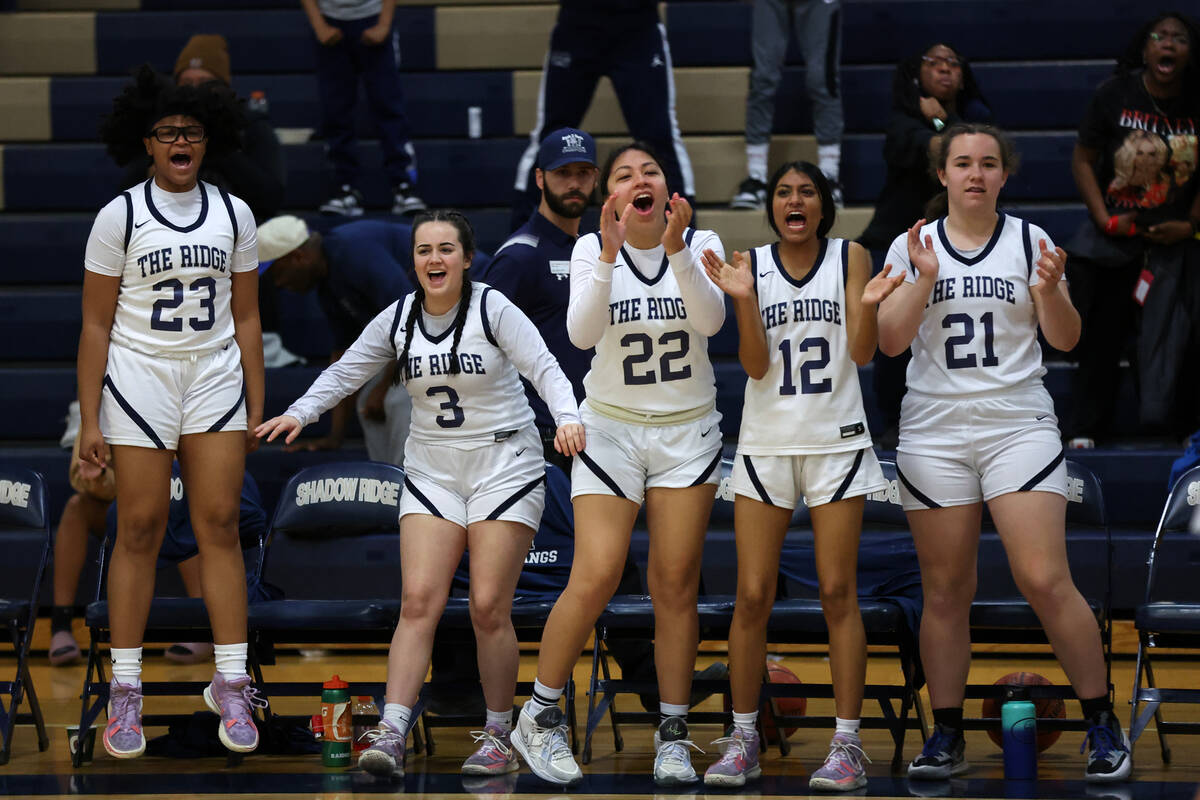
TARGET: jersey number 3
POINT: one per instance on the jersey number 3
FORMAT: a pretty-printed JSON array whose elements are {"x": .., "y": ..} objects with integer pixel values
[
  {"x": 681, "y": 344},
  {"x": 451, "y": 405},
  {"x": 175, "y": 300}
]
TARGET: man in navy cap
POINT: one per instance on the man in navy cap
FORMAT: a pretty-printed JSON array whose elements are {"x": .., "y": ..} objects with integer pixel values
[{"x": 532, "y": 268}]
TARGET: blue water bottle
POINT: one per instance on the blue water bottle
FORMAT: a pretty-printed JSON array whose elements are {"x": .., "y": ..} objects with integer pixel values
[{"x": 1018, "y": 719}]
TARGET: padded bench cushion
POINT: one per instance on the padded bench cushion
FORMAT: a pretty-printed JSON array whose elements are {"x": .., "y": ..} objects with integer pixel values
[
  {"x": 174, "y": 613},
  {"x": 333, "y": 615},
  {"x": 1174, "y": 617},
  {"x": 1014, "y": 614},
  {"x": 880, "y": 618}
]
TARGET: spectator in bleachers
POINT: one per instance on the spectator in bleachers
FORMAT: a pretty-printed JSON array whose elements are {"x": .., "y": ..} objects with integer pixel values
[
  {"x": 91, "y": 511},
  {"x": 1135, "y": 166},
  {"x": 254, "y": 171},
  {"x": 624, "y": 41},
  {"x": 355, "y": 41},
  {"x": 817, "y": 25},
  {"x": 474, "y": 472},
  {"x": 931, "y": 89},
  {"x": 170, "y": 364},
  {"x": 357, "y": 270}
]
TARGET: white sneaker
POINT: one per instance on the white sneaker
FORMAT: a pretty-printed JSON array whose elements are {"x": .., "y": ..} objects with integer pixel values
[
  {"x": 672, "y": 761},
  {"x": 345, "y": 202},
  {"x": 542, "y": 742}
]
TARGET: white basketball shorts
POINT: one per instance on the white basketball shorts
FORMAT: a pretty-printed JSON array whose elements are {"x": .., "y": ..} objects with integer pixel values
[{"x": 819, "y": 478}]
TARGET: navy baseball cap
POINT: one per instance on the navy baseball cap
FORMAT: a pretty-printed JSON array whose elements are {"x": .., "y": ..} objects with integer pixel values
[{"x": 566, "y": 146}]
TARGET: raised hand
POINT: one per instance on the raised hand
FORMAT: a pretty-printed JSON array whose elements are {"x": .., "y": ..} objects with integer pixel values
[
  {"x": 612, "y": 229},
  {"x": 921, "y": 254},
  {"x": 569, "y": 439},
  {"x": 880, "y": 286},
  {"x": 679, "y": 214},
  {"x": 735, "y": 280},
  {"x": 1050, "y": 267},
  {"x": 277, "y": 425}
]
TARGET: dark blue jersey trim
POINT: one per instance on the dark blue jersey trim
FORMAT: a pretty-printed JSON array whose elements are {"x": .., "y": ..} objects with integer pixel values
[
  {"x": 754, "y": 268},
  {"x": 128, "y": 218},
  {"x": 845, "y": 261},
  {"x": 688, "y": 235},
  {"x": 515, "y": 496},
  {"x": 708, "y": 471},
  {"x": 602, "y": 475},
  {"x": 421, "y": 324},
  {"x": 941, "y": 231},
  {"x": 396, "y": 320},
  {"x": 483, "y": 315},
  {"x": 1043, "y": 472},
  {"x": 1028, "y": 249},
  {"x": 232, "y": 217},
  {"x": 163, "y": 220},
  {"x": 841, "y": 490},
  {"x": 128, "y": 408},
  {"x": 422, "y": 498},
  {"x": 224, "y": 420},
  {"x": 755, "y": 482},
  {"x": 921, "y": 497},
  {"x": 800, "y": 284},
  {"x": 632, "y": 268}
]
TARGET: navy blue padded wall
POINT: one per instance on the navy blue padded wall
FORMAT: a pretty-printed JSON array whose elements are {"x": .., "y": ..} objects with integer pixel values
[
  {"x": 43, "y": 248},
  {"x": 883, "y": 31},
  {"x": 39, "y": 325},
  {"x": 259, "y": 40}
]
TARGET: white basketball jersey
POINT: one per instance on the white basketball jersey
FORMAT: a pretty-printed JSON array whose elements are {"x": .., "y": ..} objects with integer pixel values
[
  {"x": 979, "y": 330},
  {"x": 650, "y": 359},
  {"x": 485, "y": 398},
  {"x": 809, "y": 401},
  {"x": 175, "y": 278}
]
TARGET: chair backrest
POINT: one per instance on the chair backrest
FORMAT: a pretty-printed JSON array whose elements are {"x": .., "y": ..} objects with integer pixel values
[
  {"x": 345, "y": 498},
  {"x": 1085, "y": 498},
  {"x": 1180, "y": 512},
  {"x": 23, "y": 501}
]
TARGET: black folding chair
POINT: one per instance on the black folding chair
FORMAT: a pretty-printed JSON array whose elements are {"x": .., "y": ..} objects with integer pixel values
[
  {"x": 1168, "y": 622},
  {"x": 23, "y": 513}
]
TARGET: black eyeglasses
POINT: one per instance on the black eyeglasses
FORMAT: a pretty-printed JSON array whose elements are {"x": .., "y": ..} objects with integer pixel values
[
  {"x": 942, "y": 61},
  {"x": 167, "y": 134}
]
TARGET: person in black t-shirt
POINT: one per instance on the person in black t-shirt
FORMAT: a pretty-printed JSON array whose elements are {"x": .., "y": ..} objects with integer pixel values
[{"x": 1135, "y": 165}]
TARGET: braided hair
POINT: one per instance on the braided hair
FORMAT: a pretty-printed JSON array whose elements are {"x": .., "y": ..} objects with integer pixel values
[
  {"x": 466, "y": 238},
  {"x": 151, "y": 97}
]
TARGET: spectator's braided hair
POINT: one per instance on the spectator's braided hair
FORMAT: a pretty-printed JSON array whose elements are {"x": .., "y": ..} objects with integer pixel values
[
  {"x": 151, "y": 97},
  {"x": 466, "y": 238}
]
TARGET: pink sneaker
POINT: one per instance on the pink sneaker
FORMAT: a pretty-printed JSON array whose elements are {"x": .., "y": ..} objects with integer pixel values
[
  {"x": 739, "y": 760},
  {"x": 233, "y": 700},
  {"x": 495, "y": 755},
  {"x": 123, "y": 737},
  {"x": 843, "y": 769}
]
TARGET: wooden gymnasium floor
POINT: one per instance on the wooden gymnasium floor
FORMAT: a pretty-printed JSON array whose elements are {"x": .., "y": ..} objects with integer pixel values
[{"x": 610, "y": 774}]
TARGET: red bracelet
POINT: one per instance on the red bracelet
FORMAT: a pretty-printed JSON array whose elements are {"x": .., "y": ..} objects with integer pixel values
[{"x": 1110, "y": 227}]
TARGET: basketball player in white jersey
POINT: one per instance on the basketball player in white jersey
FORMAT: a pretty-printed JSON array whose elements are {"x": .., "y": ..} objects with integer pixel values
[
  {"x": 639, "y": 295},
  {"x": 805, "y": 307},
  {"x": 170, "y": 363},
  {"x": 977, "y": 426},
  {"x": 474, "y": 470}
]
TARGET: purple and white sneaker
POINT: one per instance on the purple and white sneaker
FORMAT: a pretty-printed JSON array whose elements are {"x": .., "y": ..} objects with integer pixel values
[
  {"x": 385, "y": 756},
  {"x": 495, "y": 755},
  {"x": 123, "y": 736},
  {"x": 843, "y": 769},
  {"x": 739, "y": 760},
  {"x": 233, "y": 701}
]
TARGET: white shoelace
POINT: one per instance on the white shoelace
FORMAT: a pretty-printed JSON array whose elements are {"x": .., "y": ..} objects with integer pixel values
[
  {"x": 731, "y": 747},
  {"x": 491, "y": 739},
  {"x": 545, "y": 739},
  {"x": 848, "y": 750},
  {"x": 676, "y": 752}
]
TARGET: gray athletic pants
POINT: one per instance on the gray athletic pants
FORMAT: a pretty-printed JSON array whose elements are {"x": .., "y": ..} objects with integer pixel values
[{"x": 818, "y": 27}]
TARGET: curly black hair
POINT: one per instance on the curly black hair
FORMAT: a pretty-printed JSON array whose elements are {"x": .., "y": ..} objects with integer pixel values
[
  {"x": 151, "y": 97},
  {"x": 906, "y": 83},
  {"x": 1130, "y": 59}
]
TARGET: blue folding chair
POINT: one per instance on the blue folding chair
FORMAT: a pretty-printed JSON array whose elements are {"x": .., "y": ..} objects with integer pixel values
[
  {"x": 22, "y": 514},
  {"x": 1168, "y": 622}
]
